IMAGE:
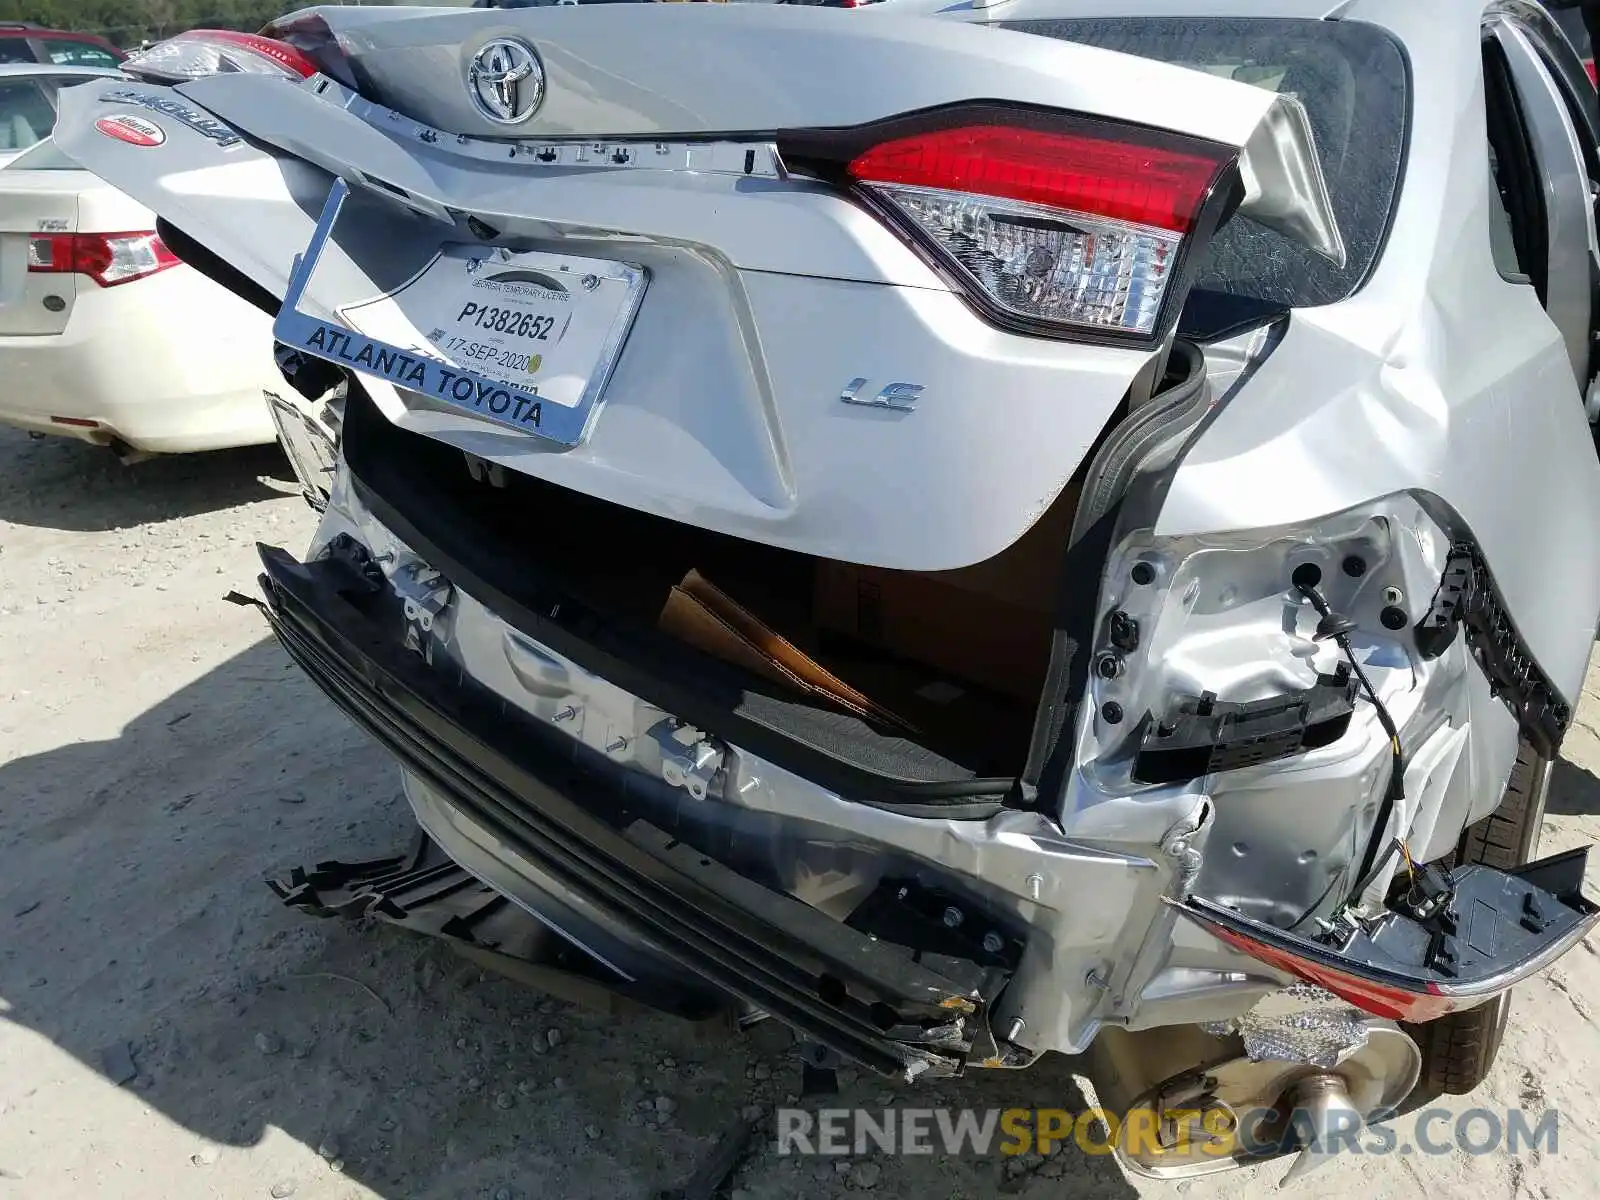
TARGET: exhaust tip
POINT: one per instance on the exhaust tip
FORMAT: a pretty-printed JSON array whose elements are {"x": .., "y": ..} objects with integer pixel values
[
  {"x": 1326, "y": 1121},
  {"x": 126, "y": 454}
]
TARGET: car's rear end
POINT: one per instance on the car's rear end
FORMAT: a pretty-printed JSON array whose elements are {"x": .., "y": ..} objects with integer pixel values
[
  {"x": 105, "y": 335},
  {"x": 742, "y": 523},
  {"x": 795, "y": 361}
]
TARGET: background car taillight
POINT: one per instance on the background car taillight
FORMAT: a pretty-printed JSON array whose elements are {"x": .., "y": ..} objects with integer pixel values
[
  {"x": 202, "y": 52},
  {"x": 106, "y": 258},
  {"x": 1059, "y": 225}
]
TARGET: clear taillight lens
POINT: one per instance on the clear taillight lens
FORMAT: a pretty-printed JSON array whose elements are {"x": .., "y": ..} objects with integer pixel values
[
  {"x": 106, "y": 258},
  {"x": 202, "y": 52},
  {"x": 1030, "y": 261},
  {"x": 1052, "y": 228}
]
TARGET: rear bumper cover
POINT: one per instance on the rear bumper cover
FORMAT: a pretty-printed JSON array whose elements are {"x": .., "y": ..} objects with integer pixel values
[
  {"x": 196, "y": 385},
  {"x": 730, "y": 878},
  {"x": 865, "y": 998}
]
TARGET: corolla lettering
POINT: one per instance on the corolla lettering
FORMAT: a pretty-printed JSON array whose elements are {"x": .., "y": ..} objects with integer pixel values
[{"x": 223, "y": 135}]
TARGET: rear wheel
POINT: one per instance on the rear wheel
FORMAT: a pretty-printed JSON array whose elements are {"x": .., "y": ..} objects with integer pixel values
[{"x": 1458, "y": 1050}]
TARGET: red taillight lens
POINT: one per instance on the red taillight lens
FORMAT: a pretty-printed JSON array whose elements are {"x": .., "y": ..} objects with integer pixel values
[
  {"x": 202, "y": 52},
  {"x": 1119, "y": 181},
  {"x": 1588, "y": 65},
  {"x": 1056, "y": 224},
  {"x": 106, "y": 258},
  {"x": 1414, "y": 1005},
  {"x": 1480, "y": 934}
]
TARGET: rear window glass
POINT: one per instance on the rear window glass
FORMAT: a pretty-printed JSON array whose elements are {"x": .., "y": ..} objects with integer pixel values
[
  {"x": 25, "y": 115},
  {"x": 15, "y": 50},
  {"x": 65, "y": 53},
  {"x": 1352, "y": 79}
]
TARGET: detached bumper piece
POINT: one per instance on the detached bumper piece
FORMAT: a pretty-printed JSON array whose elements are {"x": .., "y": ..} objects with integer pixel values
[
  {"x": 423, "y": 891},
  {"x": 879, "y": 1004},
  {"x": 1492, "y": 930}
]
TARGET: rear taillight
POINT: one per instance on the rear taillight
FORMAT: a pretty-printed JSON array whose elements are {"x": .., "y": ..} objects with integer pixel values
[
  {"x": 106, "y": 258},
  {"x": 1473, "y": 937},
  {"x": 1588, "y": 65},
  {"x": 1059, "y": 225},
  {"x": 202, "y": 52},
  {"x": 1412, "y": 1002}
]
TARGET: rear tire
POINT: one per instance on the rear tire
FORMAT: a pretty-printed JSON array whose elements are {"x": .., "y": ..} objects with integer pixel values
[{"x": 1458, "y": 1050}]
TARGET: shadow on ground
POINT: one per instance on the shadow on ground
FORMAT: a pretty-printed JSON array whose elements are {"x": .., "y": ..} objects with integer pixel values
[
  {"x": 71, "y": 485},
  {"x": 1574, "y": 791},
  {"x": 131, "y": 884}
]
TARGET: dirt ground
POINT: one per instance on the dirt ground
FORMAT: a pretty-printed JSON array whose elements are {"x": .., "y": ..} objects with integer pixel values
[{"x": 168, "y": 1030}]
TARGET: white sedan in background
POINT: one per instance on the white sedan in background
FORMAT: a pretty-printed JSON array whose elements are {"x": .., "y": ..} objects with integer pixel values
[{"x": 104, "y": 335}]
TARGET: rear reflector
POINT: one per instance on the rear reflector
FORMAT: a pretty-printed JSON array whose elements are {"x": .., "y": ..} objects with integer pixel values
[
  {"x": 80, "y": 422},
  {"x": 202, "y": 52},
  {"x": 1056, "y": 224},
  {"x": 106, "y": 258}
]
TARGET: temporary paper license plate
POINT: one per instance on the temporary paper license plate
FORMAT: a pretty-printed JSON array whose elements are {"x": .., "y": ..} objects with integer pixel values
[{"x": 524, "y": 339}]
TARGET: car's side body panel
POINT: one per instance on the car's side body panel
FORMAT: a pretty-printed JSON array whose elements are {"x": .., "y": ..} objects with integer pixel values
[{"x": 1438, "y": 378}]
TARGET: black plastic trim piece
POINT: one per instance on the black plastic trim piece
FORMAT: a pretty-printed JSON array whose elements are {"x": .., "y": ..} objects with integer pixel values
[
  {"x": 1204, "y": 735},
  {"x": 424, "y": 892},
  {"x": 1468, "y": 598},
  {"x": 1107, "y": 474},
  {"x": 834, "y": 985}
]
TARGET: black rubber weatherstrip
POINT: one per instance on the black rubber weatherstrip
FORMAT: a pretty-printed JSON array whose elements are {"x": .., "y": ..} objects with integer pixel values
[{"x": 776, "y": 959}]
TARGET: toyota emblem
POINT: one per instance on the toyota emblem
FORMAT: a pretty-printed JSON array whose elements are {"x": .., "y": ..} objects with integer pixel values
[{"x": 506, "y": 81}]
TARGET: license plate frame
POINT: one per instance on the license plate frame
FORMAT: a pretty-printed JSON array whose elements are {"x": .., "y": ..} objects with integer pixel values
[
  {"x": 562, "y": 419},
  {"x": 309, "y": 443}
]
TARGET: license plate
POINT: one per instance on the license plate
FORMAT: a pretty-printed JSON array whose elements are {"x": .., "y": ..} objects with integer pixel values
[
  {"x": 523, "y": 339},
  {"x": 545, "y": 327}
]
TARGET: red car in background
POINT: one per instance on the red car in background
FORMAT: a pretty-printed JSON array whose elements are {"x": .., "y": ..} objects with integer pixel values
[{"x": 25, "y": 42}]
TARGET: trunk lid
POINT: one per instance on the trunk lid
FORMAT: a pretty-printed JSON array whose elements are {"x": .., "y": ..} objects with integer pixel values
[
  {"x": 777, "y": 306},
  {"x": 639, "y": 70}
]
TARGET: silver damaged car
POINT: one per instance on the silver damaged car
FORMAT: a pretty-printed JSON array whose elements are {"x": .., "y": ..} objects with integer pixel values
[{"x": 969, "y": 531}]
